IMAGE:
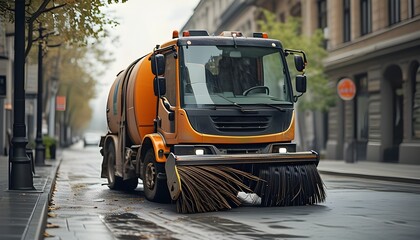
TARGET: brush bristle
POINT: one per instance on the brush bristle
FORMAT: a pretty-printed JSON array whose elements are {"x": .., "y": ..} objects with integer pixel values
[
  {"x": 290, "y": 186},
  {"x": 215, "y": 188},
  {"x": 210, "y": 188}
]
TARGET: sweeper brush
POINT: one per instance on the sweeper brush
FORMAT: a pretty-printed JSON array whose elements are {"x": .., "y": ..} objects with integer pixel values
[
  {"x": 290, "y": 185},
  {"x": 210, "y": 188},
  {"x": 212, "y": 183}
]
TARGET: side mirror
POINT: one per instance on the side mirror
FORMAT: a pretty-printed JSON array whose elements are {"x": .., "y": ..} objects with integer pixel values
[
  {"x": 159, "y": 86},
  {"x": 301, "y": 83},
  {"x": 299, "y": 63},
  {"x": 158, "y": 64}
]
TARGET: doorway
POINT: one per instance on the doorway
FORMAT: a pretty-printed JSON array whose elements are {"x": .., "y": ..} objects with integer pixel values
[
  {"x": 393, "y": 97},
  {"x": 361, "y": 116},
  {"x": 415, "y": 99}
]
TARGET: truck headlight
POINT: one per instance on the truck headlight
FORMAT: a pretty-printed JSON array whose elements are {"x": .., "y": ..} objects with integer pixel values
[
  {"x": 199, "y": 151},
  {"x": 282, "y": 150}
]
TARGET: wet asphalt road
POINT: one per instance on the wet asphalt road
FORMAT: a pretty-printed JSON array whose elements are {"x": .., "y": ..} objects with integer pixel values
[{"x": 84, "y": 208}]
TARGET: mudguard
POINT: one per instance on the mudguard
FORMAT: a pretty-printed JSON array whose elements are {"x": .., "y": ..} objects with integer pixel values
[{"x": 114, "y": 139}]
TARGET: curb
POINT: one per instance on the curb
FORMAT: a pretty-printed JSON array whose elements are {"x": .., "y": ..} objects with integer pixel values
[
  {"x": 374, "y": 177},
  {"x": 38, "y": 220}
]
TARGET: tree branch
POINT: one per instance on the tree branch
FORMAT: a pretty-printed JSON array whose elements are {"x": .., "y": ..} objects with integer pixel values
[
  {"x": 30, "y": 38},
  {"x": 40, "y": 10},
  {"x": 31, "y": 21},
  {"x": 29, "y": 3},
  {"x": 7, "y": 8},
  {"x": 53, "y": 8}
]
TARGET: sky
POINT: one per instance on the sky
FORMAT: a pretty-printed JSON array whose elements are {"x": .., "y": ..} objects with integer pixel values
[{"x": 143, "y": 24}]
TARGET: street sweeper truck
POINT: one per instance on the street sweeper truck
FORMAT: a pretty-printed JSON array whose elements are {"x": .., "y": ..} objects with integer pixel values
[{"x": 205, "y": 120}]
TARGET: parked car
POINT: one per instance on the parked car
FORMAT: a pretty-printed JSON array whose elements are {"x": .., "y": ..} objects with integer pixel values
[{"x": 91, "y": 138}]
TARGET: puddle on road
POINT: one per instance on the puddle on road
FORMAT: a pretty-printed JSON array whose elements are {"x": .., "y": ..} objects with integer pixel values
[
  {"x": 231, "y": 229},
  {"x": 127, "y": 226},
  {"x": 279, "y": 227},
  {"x": 220, "y": 224}
]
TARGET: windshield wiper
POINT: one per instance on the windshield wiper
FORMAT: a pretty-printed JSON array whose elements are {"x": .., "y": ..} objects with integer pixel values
[
  {"x": 241, "y": 108},
  {"x": 244, "y": 110},
  {"x": 274, "y": 106}
]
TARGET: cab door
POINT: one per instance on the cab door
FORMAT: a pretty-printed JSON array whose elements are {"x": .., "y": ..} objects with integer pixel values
[{"x": 167, "y": 102}]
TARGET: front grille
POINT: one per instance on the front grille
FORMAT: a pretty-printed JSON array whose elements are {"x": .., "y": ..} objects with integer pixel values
[
  {"x": 241, "y": 123},
  {"x": 241, "y": 148}
]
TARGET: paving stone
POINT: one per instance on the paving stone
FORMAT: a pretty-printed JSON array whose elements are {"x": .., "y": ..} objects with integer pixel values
[{"x": 21, "y": 211}]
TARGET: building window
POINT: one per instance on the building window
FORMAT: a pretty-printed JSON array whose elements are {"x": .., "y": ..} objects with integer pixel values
[
  {"x": 411, "y": 8},
  {"x": 322, "y": 20},
  {"x": 365, "y": 16},
  {"x": 322, "y": 14},
  {"x": 282, "y": 17},
  {"x": 296, "y": 10},
  {"x": 346, "y": 21},
  {"x": 3, "y": 47},
  {"x": 394, "y": 11}
]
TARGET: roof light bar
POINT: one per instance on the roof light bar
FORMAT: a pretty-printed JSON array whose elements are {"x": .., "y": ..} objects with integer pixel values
[
  {"x": 175, "y": 34},
  {"x": 195, "y": 33},
  {"x": 231, "y": 34},
  {"x": 260, "y": 35}
]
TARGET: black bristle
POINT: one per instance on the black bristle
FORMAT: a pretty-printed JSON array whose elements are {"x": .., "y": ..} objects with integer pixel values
[
  {"x": 291, "y": 186},
  {"x": 210, "y": 188},
  {"x": 215, "y": 188}
]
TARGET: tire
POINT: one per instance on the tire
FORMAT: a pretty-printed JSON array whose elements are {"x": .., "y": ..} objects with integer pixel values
[
  {"x": 114, "y": 182},
  {"x": 130, "y": 184},
  {"x": 155, "y": 190}
]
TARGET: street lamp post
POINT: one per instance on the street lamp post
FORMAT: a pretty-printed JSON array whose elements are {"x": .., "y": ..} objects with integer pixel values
[
  {"x": 39, "y": 148},
  {"x": 51, "y": 121},
  {"x": 54, "y": 90},
  {"x": 21, "y": 177}
]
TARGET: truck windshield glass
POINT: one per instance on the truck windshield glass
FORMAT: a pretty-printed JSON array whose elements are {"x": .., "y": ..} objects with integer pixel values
[{"x": 225, "y": 75}]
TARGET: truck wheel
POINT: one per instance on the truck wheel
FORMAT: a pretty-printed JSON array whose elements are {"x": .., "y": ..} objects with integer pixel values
[
  {"x": 114, "y": 182},
  {"x": 130, "y": 184},
  {"x": 155, "y": 189}
]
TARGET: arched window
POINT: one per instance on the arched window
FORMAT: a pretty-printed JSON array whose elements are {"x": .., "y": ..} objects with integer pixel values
[{"x": 415, "y": 80}]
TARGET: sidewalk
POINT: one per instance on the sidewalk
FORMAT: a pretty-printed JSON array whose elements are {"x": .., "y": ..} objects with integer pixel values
[
  {"x": 395, "y": 172},
  {"x": 23, "y": 214}
]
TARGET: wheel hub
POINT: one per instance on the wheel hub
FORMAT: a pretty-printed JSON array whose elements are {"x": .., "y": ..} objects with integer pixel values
[
  {"x": 150, "y": 176},
  {"x": 111, "y": 170}
]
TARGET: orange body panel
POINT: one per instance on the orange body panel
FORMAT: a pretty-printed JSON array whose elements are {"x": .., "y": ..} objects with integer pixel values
[
  {"x": 159, "y": 146},
  {"x": 140, "y": 102},
  {"x": 132, "y": 101},
  {"x": 189, "y": 135}
]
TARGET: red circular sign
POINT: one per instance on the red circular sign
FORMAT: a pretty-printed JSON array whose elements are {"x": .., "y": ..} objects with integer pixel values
[{"x": 346, "y": 89}]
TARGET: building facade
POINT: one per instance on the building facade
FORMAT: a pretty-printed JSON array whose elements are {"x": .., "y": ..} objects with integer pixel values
[
  {"x": 6, "y": 69},
  {"x": 217, "y": 16},
  {"x": 6, "y": 90},
  {"x": 375, "y": 44}
]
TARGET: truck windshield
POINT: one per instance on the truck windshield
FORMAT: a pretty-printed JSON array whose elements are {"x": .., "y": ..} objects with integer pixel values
[{"x": 225, "y": 75}]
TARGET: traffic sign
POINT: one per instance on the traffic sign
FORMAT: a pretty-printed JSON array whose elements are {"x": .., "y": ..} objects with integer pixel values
[
  {"x": 346, "y": 89},
  {"x": 60, "y": 103}
]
